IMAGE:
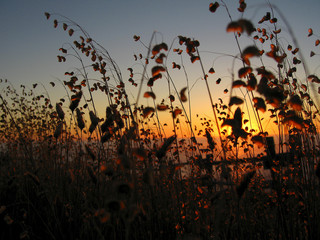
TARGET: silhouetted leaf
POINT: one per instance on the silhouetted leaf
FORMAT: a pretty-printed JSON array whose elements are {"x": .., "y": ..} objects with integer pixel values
[
  {"x": 242, "y": 6},
  {"x": 213, "y": 7},
  {"x": 234, "y": 27},
  {"x": 238, "y": 83},
  {"x": 252, "y": 82},
  {"x": 47, "y": 15},
  {"x": 174, "y": 65},
  {"x": 147, "y": 111},
  {"x": 156, "y": 70},
  {"x": 249, "y": 52},
  {"x": 243, "y": 72},
  {"x": 157, "y": 48},
  {"x": 136, "y": 38},
  {"x": 162, "y": 107},
  {"x": 294, "y": 121},
  {"x": 149, "y": 94},
  {"x": 235, "y": 101},
  {"x": 176, "y": 112},
  {"x": 259, "y": 104},
  {"x": 160, "y": 58},
  {"x": 211, "y": 70},
  {"x": 194, "y": 58},
  {"x": 313, "y": 78},
  {"x": 247, "y": 26},
  {"x": 295, "y": 102},
  {"x": 183, "y": 96}
]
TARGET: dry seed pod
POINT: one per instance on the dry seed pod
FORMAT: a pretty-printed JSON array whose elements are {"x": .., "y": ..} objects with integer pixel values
[
  {"x": 210, "y": 140},
  {"x": 94, "y": 121},
  {"x": 59, "y": 111},
  {"x": 162, "y": 151},
  {"x": 242, "y": 6},
  {"x": 71, "y": 32},
  {"x": 79, "y": 119},
  {"x": 65, "y": 26},
  {"x": 75, "y": 99},
  {"x": 58, "y": 130}
]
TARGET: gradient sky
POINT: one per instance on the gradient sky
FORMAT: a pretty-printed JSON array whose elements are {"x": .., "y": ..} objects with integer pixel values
[{"x": 29, "y": 43}]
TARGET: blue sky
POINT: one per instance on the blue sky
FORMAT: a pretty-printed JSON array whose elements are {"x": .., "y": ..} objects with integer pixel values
[{"x": 29, "y": 43}]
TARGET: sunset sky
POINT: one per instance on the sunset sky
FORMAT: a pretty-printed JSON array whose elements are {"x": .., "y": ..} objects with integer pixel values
[{"x": 29, "y": 43}]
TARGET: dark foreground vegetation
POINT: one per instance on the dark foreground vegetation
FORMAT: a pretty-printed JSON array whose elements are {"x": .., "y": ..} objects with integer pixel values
[{"x": 69, "y": 172}]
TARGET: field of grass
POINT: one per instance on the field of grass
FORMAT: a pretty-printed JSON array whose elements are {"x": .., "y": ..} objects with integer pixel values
[{"x": 68, "y": 171}]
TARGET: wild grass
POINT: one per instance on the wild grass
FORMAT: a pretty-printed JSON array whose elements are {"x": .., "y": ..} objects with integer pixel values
[{"x": 69, "y": 171}]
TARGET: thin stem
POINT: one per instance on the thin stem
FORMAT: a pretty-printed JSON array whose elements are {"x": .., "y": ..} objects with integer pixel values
[{"x": 212, "y": 105}]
